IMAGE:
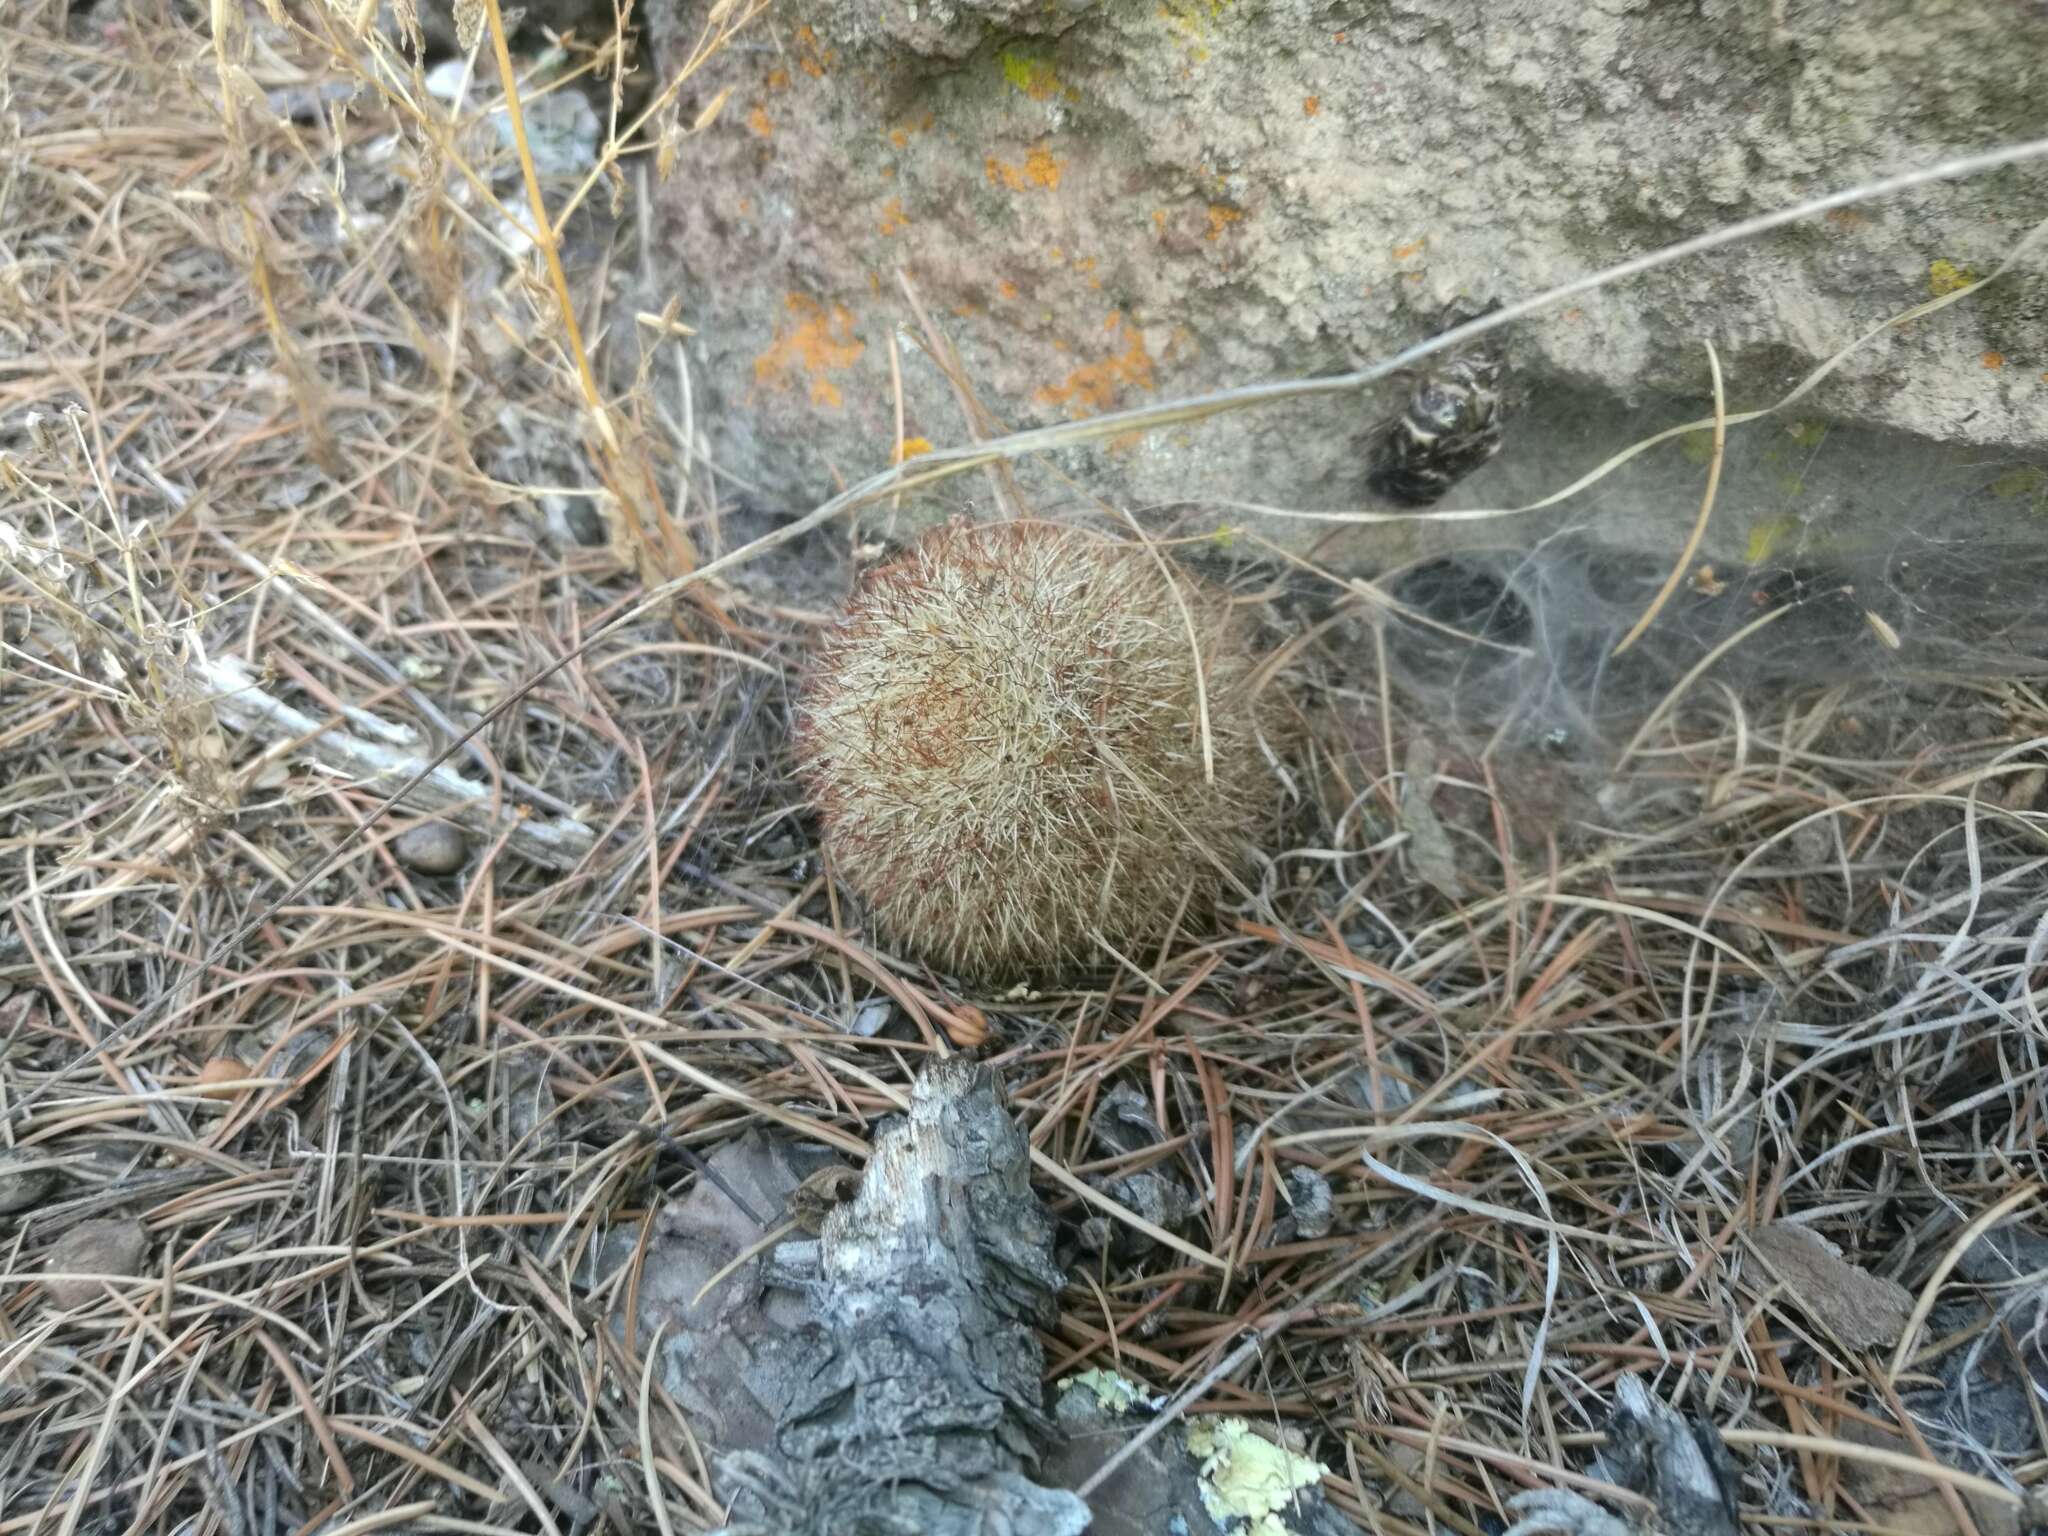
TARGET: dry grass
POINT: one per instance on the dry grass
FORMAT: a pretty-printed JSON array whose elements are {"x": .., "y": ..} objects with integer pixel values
[{"x": 1794, "y": 967}]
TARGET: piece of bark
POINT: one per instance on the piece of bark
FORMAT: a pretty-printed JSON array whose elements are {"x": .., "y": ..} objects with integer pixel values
[
  {"x": 1854, "y": 1307},
  {"x": 922, "y": 1408},
  {"x": 1909, "y": 1503},
  {"x": 886, "y": 1377},
  {"x": 1679, "y": 1465}
]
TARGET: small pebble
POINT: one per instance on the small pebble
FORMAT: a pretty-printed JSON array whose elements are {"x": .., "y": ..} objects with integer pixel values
[
  {"x": 432, "y": 848},
  {"x": 94, "y": 1248},
  {"x": 25, "y": 1179},
  {"x": 585, "y": 524}
]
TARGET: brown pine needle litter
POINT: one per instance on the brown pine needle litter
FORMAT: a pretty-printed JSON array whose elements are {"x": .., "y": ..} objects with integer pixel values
[{"x": 301, "y": 474}]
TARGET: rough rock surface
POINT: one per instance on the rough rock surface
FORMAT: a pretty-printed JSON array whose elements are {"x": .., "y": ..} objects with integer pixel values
[{"x": 1110, "y": 202}]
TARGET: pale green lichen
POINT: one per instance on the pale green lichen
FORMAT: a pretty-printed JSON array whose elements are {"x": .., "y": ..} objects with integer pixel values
[
  {"x": 2023, "y": 480},
  {"x": 1112, "y": 1392},
  {"x": 1767, "y": 538},
  {"x": 1247, "y": 1481}
]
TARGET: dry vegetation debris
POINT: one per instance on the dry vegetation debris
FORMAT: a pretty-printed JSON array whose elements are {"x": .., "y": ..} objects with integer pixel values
[{"x": 300, "y": 406}]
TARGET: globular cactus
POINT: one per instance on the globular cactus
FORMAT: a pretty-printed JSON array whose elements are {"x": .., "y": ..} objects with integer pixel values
[{"x": 1004, "y": 740}]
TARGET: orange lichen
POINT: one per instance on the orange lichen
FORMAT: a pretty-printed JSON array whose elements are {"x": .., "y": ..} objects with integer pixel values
[
  {"x": 1006, "y": 289},
  {"x": 903, "y": 133},
  {"x": 778, "y": 79},
  {"x": 1094, "y": 386},
  {"x": 911, "y": 447},
  {"x": 1038, "y": 169},
  {"x": 1311, "y": 105},
  {"x": 760, "y": 122},
  {"x": 894, "y": 219},
  {"x": 1993, "y": 359},
  {"x": 811, "y": 344},
  {"x": 1221, "y": 217},
  {"x": 1412, "y": 248},
  {"x": 813, "y": 58}
]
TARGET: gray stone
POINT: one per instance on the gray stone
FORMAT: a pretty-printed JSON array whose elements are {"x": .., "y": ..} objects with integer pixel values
[
  {"x": 1106, "y": 203},
  {"x": 25, "y": 1180},
  {"x": 91, "y": 1253},
  {"x": 431, "y": 848}
]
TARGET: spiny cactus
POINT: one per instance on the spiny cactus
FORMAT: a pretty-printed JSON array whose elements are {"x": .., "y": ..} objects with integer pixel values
[{"x": 1003, "y": 739}]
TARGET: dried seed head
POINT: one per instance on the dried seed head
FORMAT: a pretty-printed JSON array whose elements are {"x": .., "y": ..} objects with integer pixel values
[
  {"x": 1004, "y": 740},
  {"x": 966, "y": 1026}
]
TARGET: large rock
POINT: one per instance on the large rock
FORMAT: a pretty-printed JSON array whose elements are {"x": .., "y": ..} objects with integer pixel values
[{"x": 1109, "y": 202}]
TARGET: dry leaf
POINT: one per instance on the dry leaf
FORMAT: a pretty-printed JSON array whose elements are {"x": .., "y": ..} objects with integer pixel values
[
  {"x": 1908, "y": 1502},
  {"x": 711, "y": 110},
  {"x": 1850, "y": 1305},
  {"x": 1430, "y": 853}
]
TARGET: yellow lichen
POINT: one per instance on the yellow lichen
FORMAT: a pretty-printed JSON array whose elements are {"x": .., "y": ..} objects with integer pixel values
[
  {"x": 1190, "y": 20},
  {"x": 1031, "y": 74},
  {"x": 1944, "y": 276}
]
